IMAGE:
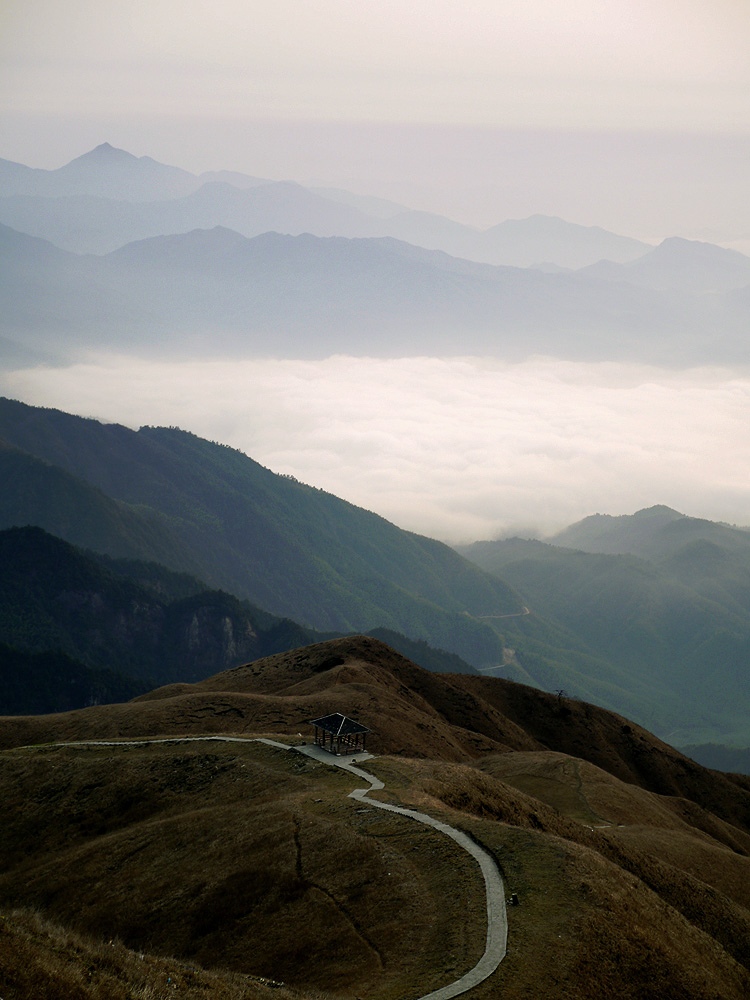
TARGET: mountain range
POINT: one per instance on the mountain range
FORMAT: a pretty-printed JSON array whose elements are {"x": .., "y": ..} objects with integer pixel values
[
  {"x": 664, "y": 596},
  {"x": 78, "y": 628},
  {"x": 216, "y": 292},
  {"x": 663, "y": 640},
  {"x": 122, "y": 253},
  {"x": 107, "y": 172},
  {"x": 293, "y": 550},
  {"x": 108, "y": 197},
  {"x": 680, "y": 265},
  {"x": 166, "y": 601},
  {"x": 134, "y": 618}
]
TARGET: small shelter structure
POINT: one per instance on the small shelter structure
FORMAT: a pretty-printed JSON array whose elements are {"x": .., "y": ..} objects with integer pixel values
[{"x": 340, "y": 735}]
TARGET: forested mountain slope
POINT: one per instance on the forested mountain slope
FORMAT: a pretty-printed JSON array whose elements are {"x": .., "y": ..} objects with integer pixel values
[
  {"x": 296, "y": 551},
  {"x": 678, "y": 622}
]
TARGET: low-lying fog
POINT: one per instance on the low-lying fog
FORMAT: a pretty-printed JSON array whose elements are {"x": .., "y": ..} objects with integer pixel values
[{"x": 456, "y": 448}]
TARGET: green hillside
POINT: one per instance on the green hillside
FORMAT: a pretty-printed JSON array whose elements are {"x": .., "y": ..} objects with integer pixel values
[
  {"x": 289, "y": 548},
  {"x": 678, "y": 627},
  {"x": 78, "y": 628},
  {"x": 305, "y": 555},
  {"x": 37, "y": 492},
  {"x": 656, "y": 533},
  {"x": 712, "y": 559}
]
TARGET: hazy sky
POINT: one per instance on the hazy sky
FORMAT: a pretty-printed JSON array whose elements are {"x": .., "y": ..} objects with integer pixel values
[
  {"x": 631, "y": 113},
  {"x": 459, "y": 449}
]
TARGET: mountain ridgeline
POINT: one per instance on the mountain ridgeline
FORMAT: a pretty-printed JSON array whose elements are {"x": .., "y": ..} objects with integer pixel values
[
  {"x": 107, "y": 198},
  {"x": 293, "y": 550},
  {"x": 114, "y": 250},
  {"x": 173, "y": 615},
  {"x": 213, "y": 290},
  {"x": 78, "y": 629},
  {"x": 663, "y": 640}
]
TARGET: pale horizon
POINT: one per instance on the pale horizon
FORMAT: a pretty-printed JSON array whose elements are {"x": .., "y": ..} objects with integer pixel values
[{"x": 627, "y": 115}]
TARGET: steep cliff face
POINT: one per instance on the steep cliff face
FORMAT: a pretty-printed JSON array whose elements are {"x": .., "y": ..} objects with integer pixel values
[
  {"x": 208, "y": 629},
  {"x": 54, "y": 597}
]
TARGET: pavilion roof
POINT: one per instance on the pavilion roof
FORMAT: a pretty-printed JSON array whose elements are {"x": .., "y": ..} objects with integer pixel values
[{"x": 339, "y": 725}]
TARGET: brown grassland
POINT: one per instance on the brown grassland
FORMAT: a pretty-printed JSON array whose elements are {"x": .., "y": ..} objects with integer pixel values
[{"x": 196, "y": 869}]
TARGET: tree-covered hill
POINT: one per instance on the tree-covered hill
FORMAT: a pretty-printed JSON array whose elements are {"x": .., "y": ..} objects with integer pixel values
[
  {"x": 56, "y": 598},
  {"x": 289, "y": 548},
  {"x": 40, "y": 493},
  {"x": 52, "y": 681},
  {"x": 77, "y": 628},
  {"x": 677, "y": 625}
]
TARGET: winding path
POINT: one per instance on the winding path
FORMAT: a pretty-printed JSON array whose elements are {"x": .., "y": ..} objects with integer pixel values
[{"x": 497, "y": 920}]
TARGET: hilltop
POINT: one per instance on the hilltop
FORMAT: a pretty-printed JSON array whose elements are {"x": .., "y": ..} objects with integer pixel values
[{"x": 244, "y": 857}]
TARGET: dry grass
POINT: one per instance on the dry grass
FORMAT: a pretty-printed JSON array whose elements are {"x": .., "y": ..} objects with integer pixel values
[
  {"x": 245, "y": 858},
  {"x": 39, "y": 960},
  {"x": 598, "y": 916},
  {"x": 631, "y": 863}
]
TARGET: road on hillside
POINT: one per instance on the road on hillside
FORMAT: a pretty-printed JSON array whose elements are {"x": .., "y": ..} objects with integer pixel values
[
  {"x": 497, "y": 917},
  {"x": 514, "y": 614}
]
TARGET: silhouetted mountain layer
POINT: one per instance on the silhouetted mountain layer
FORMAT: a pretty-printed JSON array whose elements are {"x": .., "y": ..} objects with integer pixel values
[
  {"x": 108, "y": 197},
  {"x": 657, "y": 532},
  {"x": 103, "y": 172},
  {"x": 686, "y": 266},
  {"x": 215, "y": 292}
]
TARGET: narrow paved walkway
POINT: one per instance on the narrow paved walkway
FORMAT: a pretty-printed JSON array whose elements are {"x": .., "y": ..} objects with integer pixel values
[{"x": 497, "y": 920}]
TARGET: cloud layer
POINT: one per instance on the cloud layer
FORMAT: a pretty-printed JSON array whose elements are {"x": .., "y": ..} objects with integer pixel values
[{"x": 459, "y": 449}]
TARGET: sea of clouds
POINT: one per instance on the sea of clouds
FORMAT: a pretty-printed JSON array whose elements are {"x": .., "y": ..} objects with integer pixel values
[{"x": 456, "y": 448}]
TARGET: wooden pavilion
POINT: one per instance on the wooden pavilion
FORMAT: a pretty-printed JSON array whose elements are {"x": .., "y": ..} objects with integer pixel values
[{"x": 340, "y": 735}]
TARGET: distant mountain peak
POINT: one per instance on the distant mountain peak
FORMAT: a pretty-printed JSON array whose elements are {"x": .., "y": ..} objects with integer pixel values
[
  {"x": 680, "y": 249},
  {"x": 659, "y": 510},
  {"x": 105, "y": 153}
]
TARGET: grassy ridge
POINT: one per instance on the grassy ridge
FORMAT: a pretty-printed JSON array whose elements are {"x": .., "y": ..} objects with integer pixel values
[
  {"x": 254, "y": 860},
  {"x": 630, "y": 862}
]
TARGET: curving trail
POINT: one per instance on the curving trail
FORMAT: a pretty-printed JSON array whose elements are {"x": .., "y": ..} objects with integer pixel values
[{"x": 497, "y": 920}]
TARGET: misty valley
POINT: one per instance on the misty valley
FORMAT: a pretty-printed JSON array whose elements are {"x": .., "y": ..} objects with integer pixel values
[{"x": 175, "y": 614}]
